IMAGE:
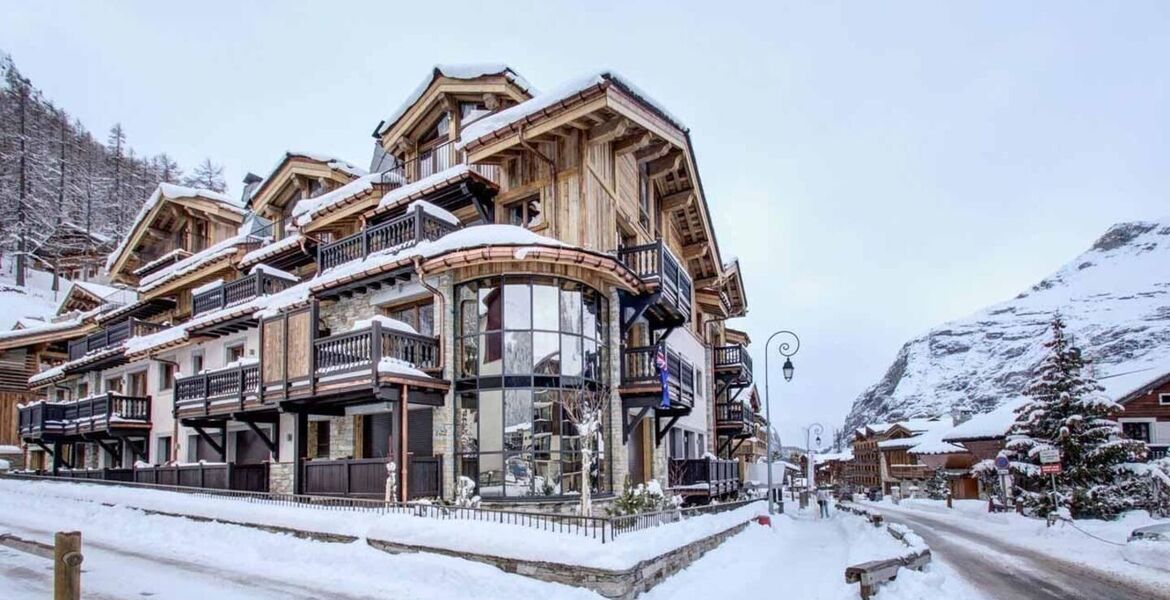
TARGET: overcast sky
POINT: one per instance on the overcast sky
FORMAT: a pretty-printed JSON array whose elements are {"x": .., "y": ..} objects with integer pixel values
[{"x": 877, "y": 170}]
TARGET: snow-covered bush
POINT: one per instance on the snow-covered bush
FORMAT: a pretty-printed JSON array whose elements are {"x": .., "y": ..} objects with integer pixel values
[
  {"x": 465, "y": 495},
  {"x": 937, "y": 486},
  {"x": 645, "y": 498}
]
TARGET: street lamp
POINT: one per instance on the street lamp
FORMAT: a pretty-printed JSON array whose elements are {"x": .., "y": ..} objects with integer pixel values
[
  {"x": 786, "y": 349},
  {"x": 815, "y": 429}
]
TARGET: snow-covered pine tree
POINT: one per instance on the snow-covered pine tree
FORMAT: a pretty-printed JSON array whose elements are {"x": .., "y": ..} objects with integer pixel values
[
  {"x": 1066, "y": 411},
  {"x": 116, "y": 146},
  {"x": 936, "y": 487},
  {"x": 167, "y": 169},
  {"x": 207, "y": 175}
]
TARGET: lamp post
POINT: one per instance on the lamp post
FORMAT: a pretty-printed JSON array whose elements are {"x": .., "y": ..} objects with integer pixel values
[
  {"x": 815, "y": 429},
  {"x": 786, "y": 349}
]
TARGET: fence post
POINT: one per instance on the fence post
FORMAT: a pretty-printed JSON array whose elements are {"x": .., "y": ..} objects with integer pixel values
[{"x": 67, "y": 565}]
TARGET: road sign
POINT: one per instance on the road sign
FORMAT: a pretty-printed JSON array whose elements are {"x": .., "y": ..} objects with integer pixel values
[
  {"x": 1049, "y": 456},
  {"x": 1050, "y": 468},
  {"x": 1002, "y": 463}
]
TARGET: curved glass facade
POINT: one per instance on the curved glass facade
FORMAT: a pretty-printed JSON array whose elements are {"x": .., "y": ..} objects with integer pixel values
[{"x": 524, "y": 345}]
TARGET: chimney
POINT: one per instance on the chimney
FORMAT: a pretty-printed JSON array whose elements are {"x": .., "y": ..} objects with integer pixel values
[
  {"x": 251, "y": 180},
  {"x": 960, "y": 415}
]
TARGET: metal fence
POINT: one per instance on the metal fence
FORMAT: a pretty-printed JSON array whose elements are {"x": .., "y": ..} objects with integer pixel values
[{"x": 605, "y": 529}]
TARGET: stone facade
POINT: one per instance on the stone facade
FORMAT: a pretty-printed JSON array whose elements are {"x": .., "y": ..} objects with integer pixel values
[
  {"x": 620, "y": 462},
  {"x": 341, "y": 315},
  {"x": 341, "y": 436},
  {"x": 280, "y": 477},
  {"x": 443, "y": 419}
]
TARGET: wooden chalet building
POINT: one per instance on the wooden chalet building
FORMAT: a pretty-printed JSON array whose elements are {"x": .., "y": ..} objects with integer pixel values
[{"x": 507, "y": 252}]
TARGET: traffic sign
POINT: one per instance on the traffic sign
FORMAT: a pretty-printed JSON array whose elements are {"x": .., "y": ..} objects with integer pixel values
[
  {"x": 1049, "y": 456},
  {"x": 1002, "y": 463},
  {"x": 1050, "y": 468}
]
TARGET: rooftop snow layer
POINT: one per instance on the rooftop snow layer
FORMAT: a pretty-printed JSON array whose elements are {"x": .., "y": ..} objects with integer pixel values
[
  {"x": 455, "y": 71},
  {"x": 172, "y": 191},
  {"x": 514, "y": 114}
]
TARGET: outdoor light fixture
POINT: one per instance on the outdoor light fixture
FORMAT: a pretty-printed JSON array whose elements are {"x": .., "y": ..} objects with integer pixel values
[
  {"x": 788, "y": 369},
  {"x": 786, "y": 349}
]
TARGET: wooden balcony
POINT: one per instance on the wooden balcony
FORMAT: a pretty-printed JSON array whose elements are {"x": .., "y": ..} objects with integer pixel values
[
  {"x": 919, "y": 472},
  {"x": 734, "y": 364},
  {"x": 106, "y": 414},
  {"x": 110, "y": 337},
  {"x": 373, "y": 358},
  {"x": 641, "y": 384},
  {"x": 234, "y": 292},
  {"x": 398, "y": 233},
  {"x": 218, "y": 393},
  {"x": 669, "y": 302},
  {"x": 703, "y": 476},
  {"x": 733, "y": 419}
]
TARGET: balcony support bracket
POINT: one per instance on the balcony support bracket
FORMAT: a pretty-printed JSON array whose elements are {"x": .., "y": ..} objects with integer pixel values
[
  {"x": 739, "y": 442},
  {"x": 628, "y": 425},
  {"x": 269, "y": 442},
  {"x": 638, "y": 306},
  {"x": 138, "y": 451},
  {"x": 662, "y": 431},
  {"x": 217, "y": 446},
  {"x": 113, "y": 451}
]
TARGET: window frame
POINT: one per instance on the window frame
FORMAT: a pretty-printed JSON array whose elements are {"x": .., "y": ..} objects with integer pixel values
[
  {"x": 525, "y": 219},
  {"x": 1164, "y": 399}
]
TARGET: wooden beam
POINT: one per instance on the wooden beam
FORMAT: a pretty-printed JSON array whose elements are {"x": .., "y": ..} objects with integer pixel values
[
  {"x": 678, "y": 200},
  {"x": 660, "y": 167},
  {"x": 609, "y": 130},
  {"x": 631, "y": 143},
  {"x": 652, "y": 152},
  {"x": 695, "y": 251}
]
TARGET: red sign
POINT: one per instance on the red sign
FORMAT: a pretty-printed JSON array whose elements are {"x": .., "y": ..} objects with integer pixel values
[{"x": 1050, "y": 468}]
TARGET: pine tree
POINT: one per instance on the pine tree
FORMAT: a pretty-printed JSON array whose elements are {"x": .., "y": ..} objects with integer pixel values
[
  {"x": 167, "y": 169},
  {"x": 208, "y": 176},
  {"x": 116, "y": 144},
  {"x": 1067, "y": 412},
  {"x": 937, "y": 486}
]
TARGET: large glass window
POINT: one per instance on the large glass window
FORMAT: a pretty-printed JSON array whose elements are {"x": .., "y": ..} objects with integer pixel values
[{"x": 526, "y": 346}]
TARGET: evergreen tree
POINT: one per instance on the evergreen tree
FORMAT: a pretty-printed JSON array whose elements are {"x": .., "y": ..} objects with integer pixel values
[
  {"x": 1067, "y": 412},
  {"x": 167, "y": 169},
  {"x": 116, "y": 146},
  {"x": 937, "y": 486},
  {"x": 208, "y": 176}
]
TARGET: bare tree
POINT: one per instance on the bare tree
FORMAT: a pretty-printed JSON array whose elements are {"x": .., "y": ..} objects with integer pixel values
[{"x": 587, "y": 410}]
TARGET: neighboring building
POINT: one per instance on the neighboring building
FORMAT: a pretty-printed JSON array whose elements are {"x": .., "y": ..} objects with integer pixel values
[
  {"x": 832, "y": 467},
  {"x": 507, "y": 256},
  {"x": 1146, "y": 408},
  {"x": 73, "y": 253},
  {"x": 898, "y": 467}
]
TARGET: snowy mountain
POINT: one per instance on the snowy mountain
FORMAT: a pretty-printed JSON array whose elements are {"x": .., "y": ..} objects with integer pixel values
[
  {"x": 1115, "y": 298},
  {"x": 34, "y": 303}
]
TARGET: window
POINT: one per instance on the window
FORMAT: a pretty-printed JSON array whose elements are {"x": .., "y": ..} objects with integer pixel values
[
  {"x": 527, "y": 345},
  {"x": 419, "y": 316},
  {"x": 1164, "y": 399},
  {"x": 1136, "y": 431},
  {"x": 644, "y": 193},
  {"x": 471, "y": 111},
  {"x": 234, "y": 353},
  {"x": 83, "y": 389},
  {"x": 526, "y": 213},
  {"x": 196, "y": 364},
  {"x": 322, "y": 448},
  {"x": 162, "y": 452},
  {"x": 114, "y": 384},
  {"x": 136, "y": 384},
  {"x": 166, "y": 376}
]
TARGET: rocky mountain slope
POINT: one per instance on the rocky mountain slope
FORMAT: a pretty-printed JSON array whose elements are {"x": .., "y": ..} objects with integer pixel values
[{"x": 1115, "y": 298}]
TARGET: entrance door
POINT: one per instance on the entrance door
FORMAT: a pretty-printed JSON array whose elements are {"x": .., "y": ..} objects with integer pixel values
[
  {"x": 378, "y": 435},
  {"x": 637, "y": 454},
  {"x": 250, "y": 449}
]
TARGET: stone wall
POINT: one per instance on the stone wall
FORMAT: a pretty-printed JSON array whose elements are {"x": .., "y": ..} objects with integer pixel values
[
  {"x": 623, "y": 584},
  {"x": 620, "y": 453},
  {"x": 340, "y": 316},
  {"x": 442, "y": 421},
  {"x": 280, "y": 477},
  {"x": 341, "y": 436}
]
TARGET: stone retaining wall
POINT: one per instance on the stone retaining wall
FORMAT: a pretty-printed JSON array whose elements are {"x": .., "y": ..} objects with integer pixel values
[{"x": 622, "y": 584}]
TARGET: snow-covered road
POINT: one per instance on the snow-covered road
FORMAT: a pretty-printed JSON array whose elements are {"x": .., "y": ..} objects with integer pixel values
[{"x": 1004, "y": 565}]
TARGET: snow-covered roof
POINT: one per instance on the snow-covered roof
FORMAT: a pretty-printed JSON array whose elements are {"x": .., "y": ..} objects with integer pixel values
[
  {"x": 1134, "y": 379},
  {"x": 64, "y": 325},
  {"x": 834, "y": 457},
  {"x": 268, "y": 250},
  {"x": 308, "y": 208},
  {"x": 992, "y": 424},
  {"x": 192, "y": 263},
  {"x": 519, "y": 112},
  {"x": 454, "y": 71},
  {"x": 332, "y": 162},
  {"x": 394, "y": 197},
  {"x": 172, "y": 191}
]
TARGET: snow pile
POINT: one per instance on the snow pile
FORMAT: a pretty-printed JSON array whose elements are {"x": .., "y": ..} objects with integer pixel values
[
  {"x": 515, "y": 114},
  {"x": 207, "y": 287},
  {"x": 1155, "y": 555},
  {"x": 36, "y": 300},
  {"x": 394, "y": 366},
  {"x": 1115, "y": 299},
  {"x": 308, "y": 208},
  {"x": 273, "y": 271},
  {"x": 289, "y": 241},
  {"x": 454, "y": 71},
  {"x": 385, "y": 322}
]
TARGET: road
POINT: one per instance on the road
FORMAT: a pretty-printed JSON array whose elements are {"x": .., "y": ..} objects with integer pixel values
[{"x": 1005, "y": 571}]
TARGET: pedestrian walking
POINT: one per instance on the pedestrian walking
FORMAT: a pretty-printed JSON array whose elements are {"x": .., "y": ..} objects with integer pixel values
[{"x": 823, "y": 502}]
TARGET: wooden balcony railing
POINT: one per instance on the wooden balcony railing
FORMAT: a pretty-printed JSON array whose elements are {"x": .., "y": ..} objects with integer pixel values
[
  {"x": 732, "y": 357},
  {"x": 693, "y": 471},
  {"x": 201, "y": 391},
  {"x": 362, "y": 350},
  {"x": 640, "y": 367},
  {"x": 111, "y": 336},
  {"x": 401, "y": 232},
  {"x": 234, "y": 292},
  {"x": 432, "y": 160},
  {"x": 655, "y": 262},
  {"x": 733, "y": 413},
  {"x": 84, "y": 415}
]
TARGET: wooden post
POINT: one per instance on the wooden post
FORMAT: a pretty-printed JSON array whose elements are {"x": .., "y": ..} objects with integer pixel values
[
  {"x": 300, "y": 451},
  {"x": 67, "y": 565},
  {"x": 403, "y": 456}
]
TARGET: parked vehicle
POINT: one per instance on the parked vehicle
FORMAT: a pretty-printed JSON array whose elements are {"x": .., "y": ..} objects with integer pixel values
[{"x": 1151, "y": 533}]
